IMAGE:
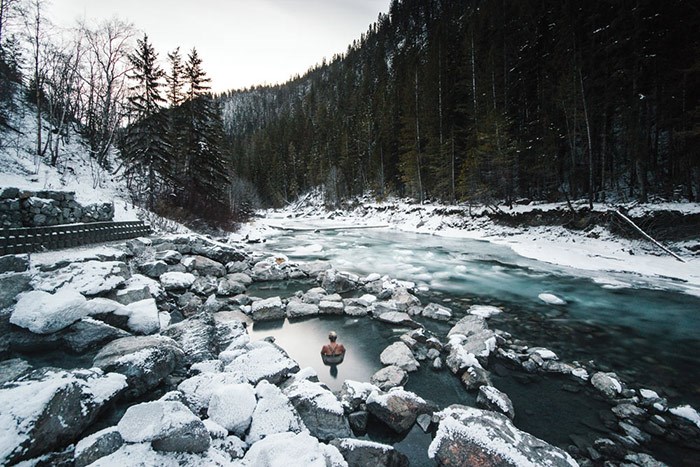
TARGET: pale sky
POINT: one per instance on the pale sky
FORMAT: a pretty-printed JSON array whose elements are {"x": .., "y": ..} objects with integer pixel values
[{"x": 242, "y": 42}]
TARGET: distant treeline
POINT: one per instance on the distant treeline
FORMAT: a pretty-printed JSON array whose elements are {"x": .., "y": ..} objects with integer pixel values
[{"x": 482, "y": 100}]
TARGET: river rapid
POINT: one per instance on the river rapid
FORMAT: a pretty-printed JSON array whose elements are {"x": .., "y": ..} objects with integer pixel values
[{"x": 644, "y": 329}]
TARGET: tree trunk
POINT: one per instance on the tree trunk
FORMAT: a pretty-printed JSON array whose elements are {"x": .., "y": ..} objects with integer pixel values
[
  {"x": 418, "y": 158},
  {"x": 591, "y": 187}
]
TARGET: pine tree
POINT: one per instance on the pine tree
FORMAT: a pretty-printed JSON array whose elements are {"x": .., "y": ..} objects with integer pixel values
[{"x": 145, "y": 149}]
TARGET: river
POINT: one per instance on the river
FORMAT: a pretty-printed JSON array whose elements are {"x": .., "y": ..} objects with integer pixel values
[{"x": 644, "y": 329}]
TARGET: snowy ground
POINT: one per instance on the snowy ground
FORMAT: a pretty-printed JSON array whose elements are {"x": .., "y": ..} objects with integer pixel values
[{"x": 593, "y": 250}]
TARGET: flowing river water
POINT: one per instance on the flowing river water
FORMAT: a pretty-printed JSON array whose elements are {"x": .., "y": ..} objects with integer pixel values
[{"x": 644, "y": 329}]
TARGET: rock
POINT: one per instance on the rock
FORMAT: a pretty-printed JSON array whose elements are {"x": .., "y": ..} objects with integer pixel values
[
  {"x": 297, "y": 309},
  {"x": 88, "y": 334},
  {"x": 14, "y": 263},
  {"x": 360, "y": 452},
  {"x": 12, "y": 369},
  {"x": 551, "y": 299},
  {"x": 137, "y": 246},
  {"x": 389, "y": 377},
  {"x": 137, "y": 288},
  {"x": 169, "y": 256},
  {"x": 144, "y": 360},
  {"x": 607, "y": 383},
  {"x": 543, "y": 353},
  {"x": 319, "y": 409},
  {"x": 314, "y": 295},
  {"x": 351, "y": 310},
  {"x": 643, "y": 460},
  {"x": 469, "y": 436},
  {"x": 475, "y": 377},
  {"x": 153, "y": 269},
  {"x": 438, "y": 312},
  {"x": 459, "y": 359},
  {"x": 397, "y": 408},
  {"x": 484, "y": 311},
  {"x": 353, "y": 394},
  {"x": 231, "y": 329},
  {"x": 138, "y": 317},
  {"x": 404, "y": 299},
  {"x": 338, "y": 282},
  {"x": 172, "y": 281},
  {"x": 629, "y": 411},
  {"x": 400, "y": 355},
  {"x": 197, "y": 338},
  {"x": 53, "y": 406},
  {"x": 292, "y": 449},
  {"x": 468, "y": 326},
  {"x": 168, "y": 426},
  {"x": 480, "y": 344},
  {"x": 263, "y": 361},
  {"x": 204, "y": 266},
  {"x": 11, "y": 285},
  {"x": 198, "y": 390},
  {"x": 490, "y": 398},
  {"x": 424, "y": 421},
  {"x": 218, "y": 252},
  {"x": 274, "y": 413},
  {"x": 635, "y": 433},
  {"x": 358, "y": 421},
  {"x": 268, "y": 309},
  {"x": 44, "y": 313},
  {"x": 314, "y": 268},
  {"x": 687, "y": 412},
  {"x": 228, "y": 286},
  {"x": 327, "y": 307},
  {"x": 96, "y": 446},
  {"x": 90, "y": 278},
  {"x": 232, "y": 407},
  {"x": 397, "y": 317},
  {"x": 204, "y": 286}
]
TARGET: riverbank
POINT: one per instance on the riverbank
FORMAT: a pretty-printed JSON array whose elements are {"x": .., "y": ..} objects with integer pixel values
[{"x": 593, "y": 242}]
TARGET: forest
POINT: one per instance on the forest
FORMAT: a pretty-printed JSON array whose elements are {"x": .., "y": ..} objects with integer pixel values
[
  {"x": 484, "y": 101},
  {"x": 478, "y": 101}
]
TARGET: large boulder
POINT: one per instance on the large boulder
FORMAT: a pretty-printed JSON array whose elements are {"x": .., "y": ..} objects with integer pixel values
[
  {"x": 492, "y": 399},
  {"x": 199, "y": 389},
  {"x": 354, "y": 394},
  {"x": 400, "y": 355},
  {"x": 204, "y": 266},
  {"x": 469, "y": 436},
  {"x": 45, "y": 313},
  {"x": 398, "y": 408},
  {"x": 607, "y": 383},
  {"x": 228, "y": 286},
  {"x": 11, "y": 285},
  {"x": 196, "y": 336},
  {"x": 437, "y": 311},
  {"x": 138, "y": 287},
  {"x": 174, "y": 281},
  {"x": 53, "y": 406},
  {"x": 274, "y": 413},
  {"x": 338, "y": 282},
  {"x": 167, "y": 425},
  {"x": 88, "y": 334},
  {"x": 297, "y": 309},
  {"x": 398, "y": 318},
  {"x": 292, "y": 449},
  {"x": 144, "y": 360},
  {"x": 268, "y": 309},
  {"x": 263, "y": 360},
  {"x": 389, "y": 377},
  {"x": 232, "y": 407},
  {"x": 153, "y": 269},
  {"x": 320, "y": 410},
  {"x": 90, "y": 278},
  {"x": 218, "y": 252},
  {"x": 231, "y": 328},
  {"x": 97, "y": 446},
  {"x": 361, "y": 452},
  {"x": 14, "y": 263},
  {"x": 12, "y": 369},
  {"x": 140, "y": 317}
]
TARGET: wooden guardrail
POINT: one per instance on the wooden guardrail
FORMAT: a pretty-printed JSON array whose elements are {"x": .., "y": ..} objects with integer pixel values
[{"x": 33, "y": 239}]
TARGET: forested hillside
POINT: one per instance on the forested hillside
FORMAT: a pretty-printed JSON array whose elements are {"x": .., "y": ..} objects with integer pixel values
[{"x": 480, "y": 100}]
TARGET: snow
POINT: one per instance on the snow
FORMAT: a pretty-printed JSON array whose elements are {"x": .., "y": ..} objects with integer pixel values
[
  {"x": 292, "y": 450},
  {"x": 143, "y": 455},
  {"x": 232, "y": 407},
  {"x": 273, "y": 414},
  {"x": 143, "y": 316},
  {"x": 485, "y": 311},
  {"x": 352, "y": 444},
  {"x": 153, "y": 420},
  {"x": 198, "y": 390},
  {"x": 551, "y": 299},
  {"x": 319, "y": 396},
  {"x": 496, "y": 397},
  {"x": 648, "y": 394},
  {"x": 262, "y": 361},
  {"x": 44, "y": 313},
  {"x": 89, "y": 278},
  {"x": 687, "y": 412},
  {"x": 89, "y": 441},
  {"x": 176, "y": 280}
]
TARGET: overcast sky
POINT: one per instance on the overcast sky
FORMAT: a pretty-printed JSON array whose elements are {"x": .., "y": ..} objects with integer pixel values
[{"x": 242, "y": 42}]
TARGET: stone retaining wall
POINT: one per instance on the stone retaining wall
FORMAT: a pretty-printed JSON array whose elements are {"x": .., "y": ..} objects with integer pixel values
[{"x": 23, "y": 208}]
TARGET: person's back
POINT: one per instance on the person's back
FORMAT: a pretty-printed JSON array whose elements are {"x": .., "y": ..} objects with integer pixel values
[{"x": 333, "y": 348}]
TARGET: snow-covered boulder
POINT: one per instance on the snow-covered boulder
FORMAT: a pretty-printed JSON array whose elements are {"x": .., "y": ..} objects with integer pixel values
[
  {"x": 404, "y": 299},
  {"x": 168, "y": 426},
  {"x": 90, "y": 278},
  {"x": 204, "y": 286},
  {"x": 389, "y": 377},
  {"x": 469, "y": 436},
  {"x": 153, "y": 269},
  {"x": 169, "y": 257},
  {"x": 274, "y": 413},
  {"x": 144, "y": 360},
  {"x": 53, "y": 406},
  {"x": 437, "y": 311},
  {"x": 338, "y": 282},
  {"x": 14, "y": 263},
  {"x": 319, "y": 409},
  {"x": 474, "y": 377},
  {"x": 197, "y": 337},
  {"x": 232, "y": 407},
  {"x": 177, "y": 280},
  {"x": 88, "y": 334},
  {"x": 398, "y": 408},
  {"x": 286, "y": 449},
  {"x": 398, "y": 318},
  {"x": 354, "y": 393},
  {"x": 228, "y": 286},
  {"x": 138, "y": 317},
  {"x": 362, "y": 452},
  {"x": 263, "y": 360},
  {"x": 218, "y": 252},
  {"x": 44, "y": 313},
  {"x": 314, "y": 295},
  {"x": 492, "y": 399},
  {"x": 468, "y": 325},
  {"x": 485, "y": 311},
  {"x": 298, "y": 309},
  {"x": 269, "y": 270},
  {"x": 231, "y": 329},
  {"x": 328, "y": 307},
  {"x": 268, "y": 309},
  {"x": 13, "y": 368},
  {"x": 198, "y": 390},
  {"x": 97, "y": 445},
  {"x": 138, "y": 287},
  {"x": 400, "y": 355},
  {"x": 204, "y": 266},
  {"x": 607, "y": 383}
]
